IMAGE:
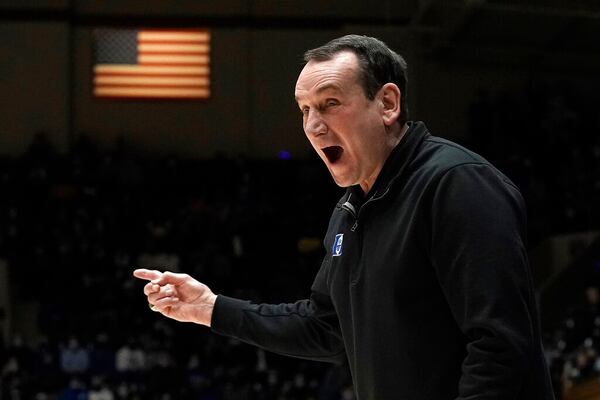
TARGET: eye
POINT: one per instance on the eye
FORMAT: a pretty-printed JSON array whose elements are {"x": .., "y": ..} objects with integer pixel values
[
  {"x": 304, "y": 110},
  {"x": 331, "y": 102}
]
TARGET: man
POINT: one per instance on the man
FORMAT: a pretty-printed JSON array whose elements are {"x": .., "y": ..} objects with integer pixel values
[{"x": 425, "y": 287}]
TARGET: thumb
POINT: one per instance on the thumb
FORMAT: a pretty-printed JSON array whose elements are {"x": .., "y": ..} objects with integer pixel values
[{"x": 147, "y": 274}]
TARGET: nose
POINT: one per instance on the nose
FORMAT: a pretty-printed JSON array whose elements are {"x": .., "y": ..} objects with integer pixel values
[{"x": 314, "y": 123}]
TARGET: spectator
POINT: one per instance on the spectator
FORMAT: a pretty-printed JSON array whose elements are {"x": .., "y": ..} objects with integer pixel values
[
  {"x": 99, "y": 390},
  {"x": 74, "y": 391},
  {"x": 74, "y": 359}
]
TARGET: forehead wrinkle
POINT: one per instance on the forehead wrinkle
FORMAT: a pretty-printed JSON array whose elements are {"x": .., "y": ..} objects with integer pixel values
[
  {"x": 319, "y": 88},
  {"x": 329, "y": 86},
  {"x": 333, "y": 74}
]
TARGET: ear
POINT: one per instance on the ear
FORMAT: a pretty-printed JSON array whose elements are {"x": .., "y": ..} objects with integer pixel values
[{"x": 390, "y": 101}]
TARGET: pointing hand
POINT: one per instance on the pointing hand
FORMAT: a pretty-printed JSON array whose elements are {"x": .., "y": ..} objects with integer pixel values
[{"x": 178, "y": 296}]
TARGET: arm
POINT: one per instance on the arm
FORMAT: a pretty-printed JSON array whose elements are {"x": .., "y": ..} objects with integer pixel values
[
  {"x": 306, "y": 329},
  {"x": 478, "y": 251}
]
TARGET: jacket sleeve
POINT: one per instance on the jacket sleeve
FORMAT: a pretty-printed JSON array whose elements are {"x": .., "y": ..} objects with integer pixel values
[
  {"x": 478, "y": 252},
  {"x": 306, "y": 329}
]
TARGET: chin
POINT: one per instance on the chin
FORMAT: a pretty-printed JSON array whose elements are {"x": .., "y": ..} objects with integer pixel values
[
  {"x": 342, "y": 182},
  {"x": 340, "y": 179}
]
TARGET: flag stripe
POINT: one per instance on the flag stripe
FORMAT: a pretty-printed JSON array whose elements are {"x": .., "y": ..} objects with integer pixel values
[
  {"x": 119, "y": 91},
  {"x": 173, "y": 59},
  {"x": 154, "y": 86},
  {"x": 150, "y": 69},
  {"x": 158, "y": 36},
  {"x": 175, "y": 65},
  {"x": 177, "y": 48},
  {"x": 179, "y": 42},
  {"x": 153, "y": 80},
  {"x": 132, "y": 76}
]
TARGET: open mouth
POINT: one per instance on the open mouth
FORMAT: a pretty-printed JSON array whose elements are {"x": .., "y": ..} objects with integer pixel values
[{"x": 333, "y": 153}]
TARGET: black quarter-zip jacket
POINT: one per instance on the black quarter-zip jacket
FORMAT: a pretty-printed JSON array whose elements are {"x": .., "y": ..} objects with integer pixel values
[{"x": 425, "y": 288}]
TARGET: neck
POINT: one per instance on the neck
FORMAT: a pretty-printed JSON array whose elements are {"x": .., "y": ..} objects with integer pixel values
[{"x": 394, "y": 137}]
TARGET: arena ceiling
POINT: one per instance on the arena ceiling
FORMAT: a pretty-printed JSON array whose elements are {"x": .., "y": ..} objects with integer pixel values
[
  {"x": 559, "y": 33},
  {"x": 564, "y": 34}
]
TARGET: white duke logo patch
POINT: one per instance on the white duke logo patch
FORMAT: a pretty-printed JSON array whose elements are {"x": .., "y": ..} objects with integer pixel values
[{"x": 337, "y": 245}]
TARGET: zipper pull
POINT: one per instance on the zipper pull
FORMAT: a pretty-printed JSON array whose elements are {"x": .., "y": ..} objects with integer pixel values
[{"x": 354, "y": 226}]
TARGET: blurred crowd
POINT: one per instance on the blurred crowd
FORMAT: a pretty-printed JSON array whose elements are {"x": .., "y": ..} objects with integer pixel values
[
  {"x": 546, "y": 137},
  {"x": 73, "y": 227},
  {"x": 573, "y": 347}
]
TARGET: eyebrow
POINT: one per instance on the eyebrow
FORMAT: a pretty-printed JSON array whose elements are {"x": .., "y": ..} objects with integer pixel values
[
  {"x": 329, "y": 86},
  {"x": 321, "y": 89}
]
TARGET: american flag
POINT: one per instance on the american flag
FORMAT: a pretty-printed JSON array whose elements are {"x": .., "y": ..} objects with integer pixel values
[{"x": 152, "y": 63}]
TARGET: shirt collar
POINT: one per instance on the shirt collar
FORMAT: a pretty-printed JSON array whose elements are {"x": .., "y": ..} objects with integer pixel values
[{"x": 397, "y": 162}]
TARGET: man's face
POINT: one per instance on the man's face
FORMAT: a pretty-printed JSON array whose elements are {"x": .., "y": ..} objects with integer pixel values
[{"x": 344, "y": 127}]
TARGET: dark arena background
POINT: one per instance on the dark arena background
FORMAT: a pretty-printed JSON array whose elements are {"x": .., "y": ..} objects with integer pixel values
[{"x": 224, "y": 185}]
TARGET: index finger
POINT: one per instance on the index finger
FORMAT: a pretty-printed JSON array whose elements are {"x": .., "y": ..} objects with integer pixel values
[
  {"x": 172, "y": 278},
  {"x": 147, "y": 274}
]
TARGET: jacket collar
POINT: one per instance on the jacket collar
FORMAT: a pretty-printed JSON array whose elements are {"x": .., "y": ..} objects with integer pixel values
[{"x": 396, "y": 163}]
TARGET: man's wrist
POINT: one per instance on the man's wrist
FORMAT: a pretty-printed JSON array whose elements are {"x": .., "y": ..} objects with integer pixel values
[{"x": 209, "y": 305}]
